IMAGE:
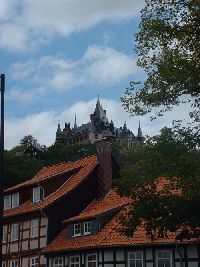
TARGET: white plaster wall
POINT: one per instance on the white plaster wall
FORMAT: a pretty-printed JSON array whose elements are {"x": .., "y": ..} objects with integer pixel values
[
  {"x": 26, "y": 225},
  {"x": 25, "y": 234},
  {"x": 192, "y": 252},
  {"x": 43, "y": 231},
  {"x": 33, "y": 244},
  {"x": 177, "y": 264},
  {"x": 14, "y": 247},
  {"x": 100, "y": 256},
  {"x": 108, "y": 265},
  {"x": 120, "y": 265},
  {"x": 43, "y": 242},
  {"x": 108, "y": 255},
  {"x": 177, "y": 256},
  {"x": 120, "y": 255},
  {"x": 42, "y": 260},
  {"x": 193, "y": 264},
  {"x": 149, "y": 254},
  {"x": 3, "y": 249},
  {"x": 44, "y": 221},
  {"x": 25, "y": 262},
  {"x": 149, "y": 264},
  {"x": 25, "y": 245}
]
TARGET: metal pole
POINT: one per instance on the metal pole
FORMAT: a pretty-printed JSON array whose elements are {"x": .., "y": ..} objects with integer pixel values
[{"x": 2, "y": 88}]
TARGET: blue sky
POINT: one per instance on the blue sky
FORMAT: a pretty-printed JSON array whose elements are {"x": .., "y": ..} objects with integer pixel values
[{"x": 58, "y": 55}]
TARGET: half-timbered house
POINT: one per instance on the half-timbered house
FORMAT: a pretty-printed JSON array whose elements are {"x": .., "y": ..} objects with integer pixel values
[
  {"x": 34, "y": 210},
  {"x": 93, "y": 239}
]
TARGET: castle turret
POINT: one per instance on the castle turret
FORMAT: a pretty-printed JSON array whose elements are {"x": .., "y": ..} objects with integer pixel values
[
  {"x": 75, "y": 124},
  {"x": 140, "y": 135},
  {"x": 58, "y": 129}
]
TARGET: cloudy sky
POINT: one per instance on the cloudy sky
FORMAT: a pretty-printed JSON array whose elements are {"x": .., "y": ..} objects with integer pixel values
[{"x": 58, "y": 55}]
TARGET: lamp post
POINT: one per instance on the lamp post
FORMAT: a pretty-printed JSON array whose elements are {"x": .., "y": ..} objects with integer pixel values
[{"x": 2, "y": 89}]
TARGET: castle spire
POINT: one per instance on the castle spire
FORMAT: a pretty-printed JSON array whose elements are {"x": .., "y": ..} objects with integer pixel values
[
  {"x": 58, "y": 129},
  {"x": 139, "y": 135},
  {"x": 75, "y": 124}
]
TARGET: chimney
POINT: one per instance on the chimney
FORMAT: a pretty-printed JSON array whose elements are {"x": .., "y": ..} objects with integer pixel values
[{"x": 105, "y": 168}]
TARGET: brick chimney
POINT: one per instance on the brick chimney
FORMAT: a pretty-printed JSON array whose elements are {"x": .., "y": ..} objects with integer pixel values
[{"x": 105, "y": 168}]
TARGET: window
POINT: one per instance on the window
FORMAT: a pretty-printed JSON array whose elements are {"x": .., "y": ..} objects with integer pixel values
[
  {"x": 14, "y": 263},
  {"x": 135, "y": 259},
  {"x": 77, "y": 229},
  {"x": 34, "y": 262},
  {"x": 4, "y": 264},
  {"x": 37, "y": 194},
  {"x": 15, "y": 200},
  {"x": 7, "y": 202},
  {"x": 92, "y": 260},
  {"x": 58, "y": 262},
  {"x": 34, "y": 228},
  {"x": 163, "y": 258},
  {"x": 75, "y": 261},
  {"x": 14, "y": 232},
  {"x": 87, "y": 228},
  {"x": 5, "y": 232}
]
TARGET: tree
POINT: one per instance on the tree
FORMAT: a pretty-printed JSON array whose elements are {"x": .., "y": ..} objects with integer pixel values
[
  {"x": 171, "y": 154},
  {"x": 28, "y": 140},
  {"x": 169, "y": 52}
]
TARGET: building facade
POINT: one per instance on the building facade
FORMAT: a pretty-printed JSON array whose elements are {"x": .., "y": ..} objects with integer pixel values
[
  {"x": 34, "y": 210},
  {"x": 99, "y": 127},
  {"x": 93, "y": 239}
]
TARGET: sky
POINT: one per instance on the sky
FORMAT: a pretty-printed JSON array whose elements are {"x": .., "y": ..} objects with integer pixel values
[{"x": 59, "y": 55}]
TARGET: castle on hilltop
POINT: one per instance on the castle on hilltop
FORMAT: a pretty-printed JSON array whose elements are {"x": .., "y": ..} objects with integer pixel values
[{"x": 97, "y": 128}]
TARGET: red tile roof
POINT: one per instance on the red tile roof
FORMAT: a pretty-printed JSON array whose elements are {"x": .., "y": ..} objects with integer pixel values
[
  {"x": 100, "y": 207},
  {"x": 82, "y": 167},
  {"x": 110, "y": 235}
]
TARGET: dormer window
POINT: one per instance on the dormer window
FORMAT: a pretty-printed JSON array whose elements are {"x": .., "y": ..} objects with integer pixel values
[
  {"x": 87, "y": 228},
  {"x": 11, "y": 201},
  {"x": 15, "y": 200},
  {"x": 37, "y": 194},
  {"x": 77, "y": 229},
  {"x": 7, "y": 202}
]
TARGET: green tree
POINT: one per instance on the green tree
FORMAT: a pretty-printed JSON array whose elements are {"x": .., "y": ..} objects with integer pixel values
[
  {"x": 171, "y": 154},
  {"x": 28, "y": 140},
  {"x": 168, "y": 46}
]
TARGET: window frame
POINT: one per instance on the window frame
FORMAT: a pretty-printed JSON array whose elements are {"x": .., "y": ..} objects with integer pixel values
[
  {"x": 34, "y": 228},
  {"x": 91, "y": 254},
  {"x": 3, "y": 263},
  {"x": 164, "y": 250},
  {"x": 58, "y": 264},
  {"x": 5, "y": 234},
  {"x": 75, "y": 256},
  {"x": 13, "y": 204},
  {"x": 135, "y": 251},
  {"x": 85, "y": 225},
  {"x": 37, "y": 196},
  {"x": 35, "y": 264},
  {"x": 12, "y": 231},
  {"x": 7, "y": 204},
  {"x": 14, "y": 261},
  {"x": 74, "y": 229}
]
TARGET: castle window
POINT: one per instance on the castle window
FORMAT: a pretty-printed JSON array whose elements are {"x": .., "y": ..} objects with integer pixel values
[
  {"x": 75, "y": 261},
  {"x": 34, "y": 228},
  {"x": 77, "y": 229},
  {"x": 87, "y": 228},
  {"x": 15, "y": 232}
]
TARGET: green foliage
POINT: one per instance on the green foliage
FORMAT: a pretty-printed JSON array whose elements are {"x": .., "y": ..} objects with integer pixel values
[
  {"x": 28, "y": 140},
  {"x": 171, "y": 154},
  {"x": 169, "y": 52}
]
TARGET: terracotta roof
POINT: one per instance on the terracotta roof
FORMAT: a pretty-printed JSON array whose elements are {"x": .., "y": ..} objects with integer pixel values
[
  {"x": 83, "y": 168},
  {"x": 100, "y": 207},
  {"x": 110, "y": 235}
]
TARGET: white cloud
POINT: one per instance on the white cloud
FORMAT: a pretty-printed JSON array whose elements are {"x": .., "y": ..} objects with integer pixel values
[
  {"x": 43, "y": 125},
  {"x": 26, "y": 24},
  {"x": 99, "y": 65}
]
